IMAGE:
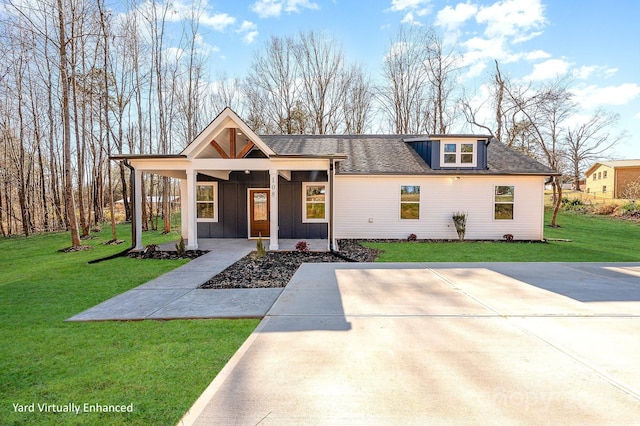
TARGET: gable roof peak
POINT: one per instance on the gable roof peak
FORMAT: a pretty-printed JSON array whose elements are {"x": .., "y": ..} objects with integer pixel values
[{"x": 226, "y": 119}]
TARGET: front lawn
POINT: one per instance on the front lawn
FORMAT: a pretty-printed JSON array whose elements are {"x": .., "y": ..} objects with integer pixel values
[
  {"x": 157, "y": 368},
  {"x": 594, "y": 239}
]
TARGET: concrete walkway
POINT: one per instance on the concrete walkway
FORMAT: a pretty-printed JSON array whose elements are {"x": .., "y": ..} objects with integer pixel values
[
  {"x": 175, "y": 295},
  {"x": 485, "y": 343}
]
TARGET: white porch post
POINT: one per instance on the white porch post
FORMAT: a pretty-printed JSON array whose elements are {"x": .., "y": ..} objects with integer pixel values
[
  {"x": 273, "y": 212},
  {"x": 137, "y": 206},
  {"x": 192, "y": 218},
  {"x": 184, "y": 210}
]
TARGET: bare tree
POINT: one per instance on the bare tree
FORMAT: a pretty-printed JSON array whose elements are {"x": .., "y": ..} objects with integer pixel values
[
  {"x": 226, "y": 92},
  {"x": 322, "y": 72},
  {"x": 65, "y": 87},
  {"x": 357, "y": 102},
  {"x": 405, "y": 94},
  {"x": 272, "y": 87},
  {"x": 546, "y": 111},
  {"x": 631, "y": 190},
  {"x": 441, "y": 67},
  {"x": 589, "y": 140},
  {"x": 508, "y": 124}
]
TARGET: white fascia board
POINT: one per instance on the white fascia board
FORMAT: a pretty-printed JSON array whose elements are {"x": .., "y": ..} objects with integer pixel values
[
  {"x": 150, "y": 164},
  {"x": 258, "y": 164}
]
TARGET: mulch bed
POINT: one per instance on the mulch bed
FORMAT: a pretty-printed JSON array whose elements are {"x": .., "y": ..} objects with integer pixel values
[{"x": 276, "y": 268}]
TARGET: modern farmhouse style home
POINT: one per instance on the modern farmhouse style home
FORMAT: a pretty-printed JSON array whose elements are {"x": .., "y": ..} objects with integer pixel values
[{"x": 236, "y": 184}]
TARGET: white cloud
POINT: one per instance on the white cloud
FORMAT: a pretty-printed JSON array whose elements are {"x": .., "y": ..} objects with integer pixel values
[
  {"x": 204, "y": 47},
  {"x": 637, "y": 115},
  {"x": 502, "y": 25},
  {"x": 592, "y": 96},
  {"x": 476, "y": 69},
  {"x": 274, "y": 8},
  {"x": 481, "y": 50},
  {"x": 295, "y": 5},
  {"x": 536, "y": 55},
  {"x": 267, "y": 8},
  {"x": 412, "y": 8},
  {"x": 548, "y": 69},
  {"x": 609, "y": 72},
  {"x": 219, "y": 21},
  {"x": 409, "y": 19},
  {"x": 249, "y": 31},
  {"x": 452, "y": 18},
  {"x": 586, "y": 71},
  {"x": 519, "y": 20},
  {"x": 402, "y": 5}
]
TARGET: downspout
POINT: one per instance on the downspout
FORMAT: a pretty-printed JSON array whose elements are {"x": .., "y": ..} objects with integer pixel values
[
  {"x": 133, "y": 216},
  {"x": 332, "y": 246},
  {"x": 132, "y": 185},
  {"x": 332, "y": 165}
]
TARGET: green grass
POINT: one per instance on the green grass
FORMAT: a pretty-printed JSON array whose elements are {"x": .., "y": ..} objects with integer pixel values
[
  {"x": 160, "y": 367},
  {"x": 594, "y": 239}
]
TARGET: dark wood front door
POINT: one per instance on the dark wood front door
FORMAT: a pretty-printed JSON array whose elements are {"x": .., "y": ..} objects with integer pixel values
[{"x": 259, "y": 212}]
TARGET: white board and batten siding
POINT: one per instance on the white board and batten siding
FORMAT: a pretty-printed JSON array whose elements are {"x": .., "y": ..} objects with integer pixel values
[{"x": 369, "y": 207}]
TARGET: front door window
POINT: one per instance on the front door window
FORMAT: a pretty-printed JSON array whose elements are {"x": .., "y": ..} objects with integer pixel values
[{"x": 259, "y": 212}]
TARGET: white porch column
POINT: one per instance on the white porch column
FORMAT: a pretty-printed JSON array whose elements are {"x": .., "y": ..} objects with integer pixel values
[
  {"x": 137, "y": 207},
  {"x": 273, "y": 212},
  {"x": 192, "y": 218},
  {"x": 184, "y": 210}
]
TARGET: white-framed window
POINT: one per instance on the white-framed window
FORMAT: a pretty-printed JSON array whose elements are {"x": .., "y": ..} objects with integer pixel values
[
  {"x": 207, "y": 201},
  {"x": 458, "y": 154},
  {"x": 503, "y": 202},
  {"x": 315, "y": 202},
  {"x": 410, "y": 202}
]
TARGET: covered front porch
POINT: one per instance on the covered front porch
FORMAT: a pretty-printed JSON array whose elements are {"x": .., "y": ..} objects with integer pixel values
[{"x": 234, "y": 185}]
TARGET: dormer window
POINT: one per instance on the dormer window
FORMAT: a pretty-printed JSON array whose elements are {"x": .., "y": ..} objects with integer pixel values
[{"x": 458, "y": 154}]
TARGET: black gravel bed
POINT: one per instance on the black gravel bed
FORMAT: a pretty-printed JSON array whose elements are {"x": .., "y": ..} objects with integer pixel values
[
  {"x": 276, "y": 268},
  {"x": 166, "y": 255}
]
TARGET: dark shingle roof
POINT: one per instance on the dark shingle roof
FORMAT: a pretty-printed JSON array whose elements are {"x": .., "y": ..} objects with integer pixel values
[{"x": 389, "y": 154}]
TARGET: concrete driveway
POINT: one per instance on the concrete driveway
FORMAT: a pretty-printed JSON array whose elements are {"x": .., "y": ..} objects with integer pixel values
[{"x": 397, "y": 344}]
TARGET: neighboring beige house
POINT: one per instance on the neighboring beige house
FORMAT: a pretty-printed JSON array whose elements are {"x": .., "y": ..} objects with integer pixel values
[{"x": 609, "y": 178}]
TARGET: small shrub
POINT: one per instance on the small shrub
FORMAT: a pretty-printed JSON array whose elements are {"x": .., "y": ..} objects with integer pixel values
[
  {"x": 604, "y": 209},
  {"x": 302, "y": 246},
  {"x": 260, "y": 249},
  {"x": 460, "y": 222},
  {"x": 575, "y": 204},
  {"x": 412, "y": 237},
  {"x": 628, "y": 208},
  {"x": 508, "y": 237},
  {"x": 180, "y": 248}
]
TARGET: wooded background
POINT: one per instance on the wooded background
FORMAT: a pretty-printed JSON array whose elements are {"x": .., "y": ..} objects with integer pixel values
[{"x": 80, "y": 81}]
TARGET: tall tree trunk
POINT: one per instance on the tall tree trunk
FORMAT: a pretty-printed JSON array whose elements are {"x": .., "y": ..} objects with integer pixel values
[
  {"x": 66, "y": 118},
  {"x": 59, "y": 222},
  {"x": 107, "y": 123},
  {"x": 558, "y": 192},
  {"x": 80, "y": 151},
  {"x": 43, "y": 184}
]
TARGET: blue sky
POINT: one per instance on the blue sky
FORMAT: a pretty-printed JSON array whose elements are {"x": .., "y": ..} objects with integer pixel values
[{"x": 595, "y": 41}]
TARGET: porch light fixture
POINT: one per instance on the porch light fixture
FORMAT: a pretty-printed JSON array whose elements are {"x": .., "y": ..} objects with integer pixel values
[{"x": 246, "y": 172}]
